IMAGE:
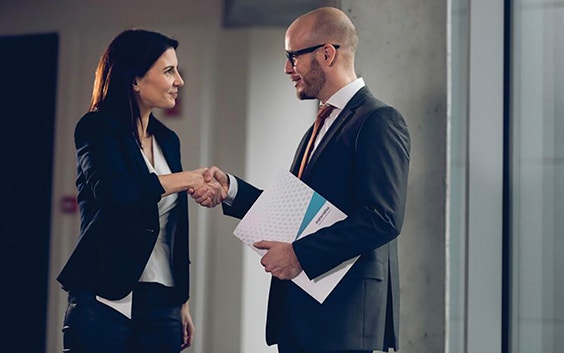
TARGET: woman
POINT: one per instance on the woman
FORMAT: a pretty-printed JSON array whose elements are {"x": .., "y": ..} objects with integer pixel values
[{"x": 128, "y": 277}]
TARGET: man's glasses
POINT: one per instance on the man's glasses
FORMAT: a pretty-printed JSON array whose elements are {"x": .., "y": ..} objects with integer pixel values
[{"x": 291, "y": 55}]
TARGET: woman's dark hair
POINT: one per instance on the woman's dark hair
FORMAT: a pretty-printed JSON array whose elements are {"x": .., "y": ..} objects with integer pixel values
[{"x": 130, "y": 54}]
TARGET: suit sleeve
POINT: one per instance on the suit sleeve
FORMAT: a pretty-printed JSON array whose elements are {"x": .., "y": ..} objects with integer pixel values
[
  {"x": 379, "y": 183},
  {"x": 106, "y": 166},
  {"x": 247, "y": 194}
]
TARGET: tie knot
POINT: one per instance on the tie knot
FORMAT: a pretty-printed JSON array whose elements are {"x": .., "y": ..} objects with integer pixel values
[{"x": 324, "y": 111}]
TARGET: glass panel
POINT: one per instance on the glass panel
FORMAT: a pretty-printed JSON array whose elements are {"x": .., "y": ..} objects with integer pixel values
[
  {"x": 537, "y": 175},
  {"x": 457, "y": 142}
]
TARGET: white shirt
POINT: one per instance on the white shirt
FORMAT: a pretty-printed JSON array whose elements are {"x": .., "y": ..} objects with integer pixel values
[{"x": 158, "y": 267}]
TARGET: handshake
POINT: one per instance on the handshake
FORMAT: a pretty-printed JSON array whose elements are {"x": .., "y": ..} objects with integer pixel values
[
  {"x": 209, "y": 189},
  {"x": 209, "y": 186}
]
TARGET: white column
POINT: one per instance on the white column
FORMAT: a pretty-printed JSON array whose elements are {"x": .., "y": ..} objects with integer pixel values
[{"x": 485, "y": 168}]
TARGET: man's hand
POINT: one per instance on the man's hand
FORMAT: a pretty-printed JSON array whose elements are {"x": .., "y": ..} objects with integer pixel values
[
  {"x": 280, "y": 259},
  {"x": 214, "y": 172},
  {"x": 214, "y": 189}
]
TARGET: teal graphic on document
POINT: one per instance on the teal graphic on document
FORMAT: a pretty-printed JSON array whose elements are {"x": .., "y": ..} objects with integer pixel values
[{"x": 317, "y": 201}]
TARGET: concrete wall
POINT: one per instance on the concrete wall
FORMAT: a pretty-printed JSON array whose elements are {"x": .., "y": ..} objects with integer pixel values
[{"x": 402, "y": 56}]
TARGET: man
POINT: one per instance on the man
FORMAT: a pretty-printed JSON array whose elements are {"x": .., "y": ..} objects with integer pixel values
[{"x": 359, "y": 163}]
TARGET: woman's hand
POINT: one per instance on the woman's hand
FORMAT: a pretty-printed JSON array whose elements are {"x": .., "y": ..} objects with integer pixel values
[
  {"x": 187, "y": 326},
  {"x": 214, "y": 188}
]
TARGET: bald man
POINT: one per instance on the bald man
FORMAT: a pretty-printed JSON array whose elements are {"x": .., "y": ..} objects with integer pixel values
[{"x": 359, "y": 163}]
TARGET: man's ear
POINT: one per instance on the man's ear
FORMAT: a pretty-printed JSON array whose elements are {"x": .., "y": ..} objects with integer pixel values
[{"x": 329, "y": 54}]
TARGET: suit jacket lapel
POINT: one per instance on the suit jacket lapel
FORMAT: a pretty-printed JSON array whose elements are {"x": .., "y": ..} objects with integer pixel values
[
  {"x": 130, "y": 144},
  {"x": 346, "y": 114}
]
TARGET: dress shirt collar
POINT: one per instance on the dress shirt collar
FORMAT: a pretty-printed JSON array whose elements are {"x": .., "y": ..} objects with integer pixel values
[
  {"x": 339, "y": 100},
  {"x": 344, "y": 95}
]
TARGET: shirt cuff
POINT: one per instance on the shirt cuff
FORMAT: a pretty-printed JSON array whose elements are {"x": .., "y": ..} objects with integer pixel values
[{"x": 232, "y": 192}]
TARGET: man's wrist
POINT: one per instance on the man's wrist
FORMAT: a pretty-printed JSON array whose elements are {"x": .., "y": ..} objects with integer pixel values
[{"x": 232, "y": 191}]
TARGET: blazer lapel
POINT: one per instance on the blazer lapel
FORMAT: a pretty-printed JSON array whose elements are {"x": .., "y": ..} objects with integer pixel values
[
  {"x": 346, "y": 114},
  {"x": 129, "y": 143}
]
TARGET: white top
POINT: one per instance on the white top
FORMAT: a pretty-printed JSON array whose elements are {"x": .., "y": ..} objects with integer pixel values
[{"x": 158, "y": 267}]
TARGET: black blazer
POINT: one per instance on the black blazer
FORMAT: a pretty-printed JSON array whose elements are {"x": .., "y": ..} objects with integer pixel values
[
  {"x": 118, "y": 199},
  {"x": 361, "y": 166}
]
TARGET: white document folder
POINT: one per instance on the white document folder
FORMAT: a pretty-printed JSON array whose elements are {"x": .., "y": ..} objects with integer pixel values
[{"x": 289, "y": 210}]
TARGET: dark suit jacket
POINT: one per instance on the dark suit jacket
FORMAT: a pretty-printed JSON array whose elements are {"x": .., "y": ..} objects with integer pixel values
[
  {"x": 361, "y": 166},
  {"x": 118, "y": 199}
]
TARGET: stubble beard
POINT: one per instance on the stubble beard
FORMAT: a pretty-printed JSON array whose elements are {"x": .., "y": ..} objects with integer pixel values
[{"x": 313, "y": 81}]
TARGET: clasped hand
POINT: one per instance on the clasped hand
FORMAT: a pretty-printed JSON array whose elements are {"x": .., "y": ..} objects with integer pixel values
[{"x": 208, "y": 190}]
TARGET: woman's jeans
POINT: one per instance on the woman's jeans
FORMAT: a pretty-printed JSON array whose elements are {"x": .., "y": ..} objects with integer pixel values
[{"x": 155, "y": 325}]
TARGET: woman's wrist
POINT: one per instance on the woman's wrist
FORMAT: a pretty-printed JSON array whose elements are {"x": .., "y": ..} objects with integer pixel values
[{"x": 194, "y": 180}]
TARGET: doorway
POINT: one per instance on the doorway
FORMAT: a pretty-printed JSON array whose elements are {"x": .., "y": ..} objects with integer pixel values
[{"x": 28, "y": 68}]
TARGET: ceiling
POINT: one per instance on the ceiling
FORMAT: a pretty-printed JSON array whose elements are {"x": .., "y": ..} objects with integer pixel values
[{"x": 255, "y": 13}]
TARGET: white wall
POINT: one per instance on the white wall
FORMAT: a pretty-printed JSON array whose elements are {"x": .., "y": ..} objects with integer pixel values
[{"x": 276, "y": 122}]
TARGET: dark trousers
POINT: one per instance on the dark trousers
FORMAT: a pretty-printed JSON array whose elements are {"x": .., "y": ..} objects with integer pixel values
[
  {"x": 287, "y": 344},
  {"x": 287, "y": 347},
  {"x": 155, "y": 325}
]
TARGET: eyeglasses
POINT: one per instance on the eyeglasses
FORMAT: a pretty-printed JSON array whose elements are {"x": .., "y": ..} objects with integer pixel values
[{"x": 291, "y": 55}]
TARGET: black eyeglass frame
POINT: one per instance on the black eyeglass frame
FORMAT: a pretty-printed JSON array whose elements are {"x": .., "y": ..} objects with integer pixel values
[{"x": 291, "y": 55}]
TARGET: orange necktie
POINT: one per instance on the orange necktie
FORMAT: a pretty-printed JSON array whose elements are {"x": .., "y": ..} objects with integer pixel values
[{"x": 322, "y": 114}]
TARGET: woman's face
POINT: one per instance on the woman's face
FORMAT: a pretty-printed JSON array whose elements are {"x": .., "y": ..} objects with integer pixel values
[{"x": 158, "y": 88}]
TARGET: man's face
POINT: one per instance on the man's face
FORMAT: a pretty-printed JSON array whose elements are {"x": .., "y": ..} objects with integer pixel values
[
  {"x": 307, "y": 75},
  {"x": 302, "y": 64}
]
